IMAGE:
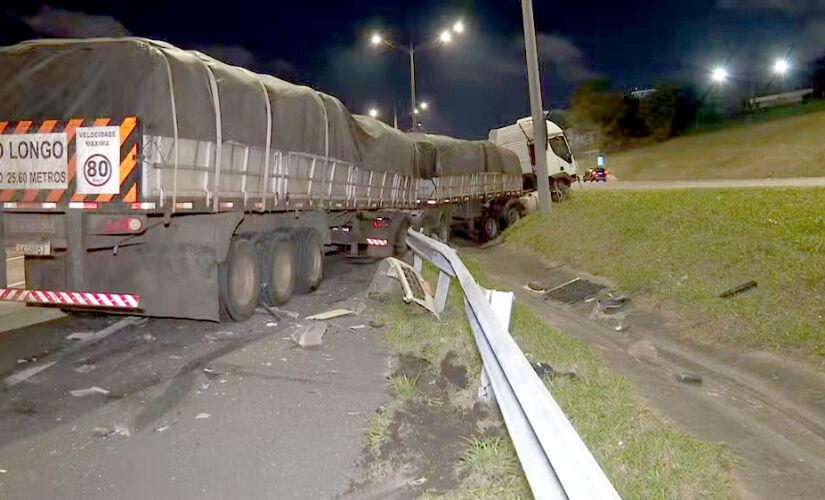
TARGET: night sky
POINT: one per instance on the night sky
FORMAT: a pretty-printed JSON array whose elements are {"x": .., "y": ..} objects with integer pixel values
[{"x": 477, "y": 82}]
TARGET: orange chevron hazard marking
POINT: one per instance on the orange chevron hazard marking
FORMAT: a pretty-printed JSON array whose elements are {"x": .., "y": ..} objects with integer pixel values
[
  {"x": 22, "y": 127},
  {"x": 126, "y": 166},
  {"x": 45, "y": 128},
  {"x": 131, "y": 195},
  {"x": 126, "y": 128},
  {"x": 55, "y": 194},
  {"x": 3, "y": 126}
]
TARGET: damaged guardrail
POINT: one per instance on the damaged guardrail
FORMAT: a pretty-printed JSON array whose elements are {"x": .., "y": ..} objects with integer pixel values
[{"x": 553, "y": 456}]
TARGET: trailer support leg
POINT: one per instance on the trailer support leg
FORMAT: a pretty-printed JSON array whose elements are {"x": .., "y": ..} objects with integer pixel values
[{"x": 76, "y": 255}]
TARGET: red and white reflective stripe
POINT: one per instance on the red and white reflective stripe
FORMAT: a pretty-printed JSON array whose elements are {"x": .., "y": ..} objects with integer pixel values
[
  {"x": 113, "y": 300},
  {"x": 377, "y": 242}
]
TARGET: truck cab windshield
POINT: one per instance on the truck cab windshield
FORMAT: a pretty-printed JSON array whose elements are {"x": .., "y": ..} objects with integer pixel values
[{"x": 559, "y": 146}]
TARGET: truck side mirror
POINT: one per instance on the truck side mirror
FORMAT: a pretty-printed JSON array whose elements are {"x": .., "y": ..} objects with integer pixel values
[{"x": 531, "y": 148}]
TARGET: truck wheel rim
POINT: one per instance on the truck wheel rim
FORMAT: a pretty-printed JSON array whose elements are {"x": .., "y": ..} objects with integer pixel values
[
  {"x": 281, "y": 272},
  {"x": 315, "y": 266},
  {"x": 242, "y": 283}
]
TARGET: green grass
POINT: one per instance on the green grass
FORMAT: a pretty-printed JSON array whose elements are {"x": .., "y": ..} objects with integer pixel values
[
  {"x": 643, "y": 454},
  {"x": 786, "y": 147},
  {"x": 689, "y": 246},
  {"x": 404, "y": 387}
]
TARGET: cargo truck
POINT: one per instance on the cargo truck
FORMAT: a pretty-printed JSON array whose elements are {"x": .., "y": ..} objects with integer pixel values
[
  {"x": 561, "y": 166},
  {"x": 141, "y": 177}
]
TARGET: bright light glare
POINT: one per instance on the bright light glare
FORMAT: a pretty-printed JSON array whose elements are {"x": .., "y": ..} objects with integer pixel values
[
  {"x": 458, "y": 27},
  {"x": 719, "y": 75},
  {"x": 424, "y": 106},
  {"x": 446, "y": 37},
  {"x": 780, "y": 67},
  {"x": 374, "y": 113},
  {"x": 376, "y": 39},
  {"x": 415, "y": 111}
]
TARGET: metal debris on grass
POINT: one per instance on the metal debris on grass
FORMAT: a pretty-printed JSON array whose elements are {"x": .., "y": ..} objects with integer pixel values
[
  {"x": 413, "y": 287},
  {"x": 543, "y": 369},
  {"x": 739, "y": 289}
]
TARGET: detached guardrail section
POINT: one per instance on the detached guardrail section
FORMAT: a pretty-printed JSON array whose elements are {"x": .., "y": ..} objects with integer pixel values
[{"x": 554, "y": 458}]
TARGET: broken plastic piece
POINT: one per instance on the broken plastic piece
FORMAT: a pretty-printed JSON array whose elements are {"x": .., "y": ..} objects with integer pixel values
[
  {"x": 79, "y": 393},
  {"x": 333, "y": 313},
  {"x": 311, "y": 335},
  {"x": 413, "y": 285},
  {"x": 80, "y": 336},
  {"x": 202, "y": 416}
]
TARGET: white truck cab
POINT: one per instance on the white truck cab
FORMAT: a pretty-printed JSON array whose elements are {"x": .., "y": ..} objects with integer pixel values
[{"x": 561, "y": 166}]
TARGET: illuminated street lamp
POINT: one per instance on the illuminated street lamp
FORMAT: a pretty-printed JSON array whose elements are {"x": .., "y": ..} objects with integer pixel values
[
  {"x": 444, "y": 38},
  {"x": 424, "y": 105},
  {"x": 780, "y": 67},
  {"x": 374, "y": 113},
  {"x": 719, "y": 75}
]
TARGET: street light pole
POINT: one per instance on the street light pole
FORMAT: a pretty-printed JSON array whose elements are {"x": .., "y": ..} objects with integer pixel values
[
  {"x": 537, "y": 111},
  {"x": 412, "y": 89}
]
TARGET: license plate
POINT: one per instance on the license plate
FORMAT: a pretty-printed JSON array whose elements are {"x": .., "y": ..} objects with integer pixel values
[{"x": 34, "y": 248}]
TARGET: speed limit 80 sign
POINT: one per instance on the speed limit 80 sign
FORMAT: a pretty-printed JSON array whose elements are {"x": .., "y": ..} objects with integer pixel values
[{"x": 98, "y": 160}]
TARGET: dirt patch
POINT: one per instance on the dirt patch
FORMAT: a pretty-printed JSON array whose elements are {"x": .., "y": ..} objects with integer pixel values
[
  {"x": 426, "y": 437},
  {"x": 454, "y": 371},
  {"x": 574, "y": 291}
]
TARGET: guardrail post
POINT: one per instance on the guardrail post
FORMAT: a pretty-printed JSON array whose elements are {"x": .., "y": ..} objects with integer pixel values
[
  {"x": 441, "y": 291},
  {"x": 418, "y": 263}
]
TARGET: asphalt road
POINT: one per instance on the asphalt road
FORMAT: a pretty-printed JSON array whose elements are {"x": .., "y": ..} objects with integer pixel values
[
  {"x": 704, "y": 183},
  {"x": 194, "y": 409}
]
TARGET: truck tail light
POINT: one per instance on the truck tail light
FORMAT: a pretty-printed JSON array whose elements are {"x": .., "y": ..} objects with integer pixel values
[
  {"x": 123, "y": 225},
  {"x": 381, "y": 223}
]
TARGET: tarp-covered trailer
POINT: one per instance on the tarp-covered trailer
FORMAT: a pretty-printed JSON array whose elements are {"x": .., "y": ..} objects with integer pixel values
[{"x": 138, "y": 176}]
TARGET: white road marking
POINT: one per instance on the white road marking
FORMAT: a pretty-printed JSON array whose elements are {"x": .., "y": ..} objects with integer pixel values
[{"x": 16, "y": 378}]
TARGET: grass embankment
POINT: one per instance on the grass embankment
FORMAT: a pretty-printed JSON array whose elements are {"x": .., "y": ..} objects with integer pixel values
[
  {"x": 782, "y": 147},
  {"x": 689, "y": 246},
  {"x": 643, "y": 454}
]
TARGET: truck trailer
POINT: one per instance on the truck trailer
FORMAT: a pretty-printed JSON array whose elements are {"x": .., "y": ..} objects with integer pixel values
[{"x": 140, "y": 177}]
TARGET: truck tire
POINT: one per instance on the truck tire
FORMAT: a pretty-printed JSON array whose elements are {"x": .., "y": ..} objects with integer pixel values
[
  {"x": 309, "y": 254},
  {"x": 512, "y": 214},
  {"x": 489, "y": 227},
  {"x": 277, "y": 269},
  {"x": 559, "y": 191},
  {"x": 239, "y": 280}
]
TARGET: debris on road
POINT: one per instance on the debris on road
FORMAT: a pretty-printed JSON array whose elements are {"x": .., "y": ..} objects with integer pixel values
[
  {"x": 162, "y": 428},
  {"x": 573, "y": 291},
  {"x": 22, "y": 361},
  {"x": 739, "y": 289},
  {"x": 413, "y": 287},
  {"x": 106, "y": 432},
  {"x": 288, "y": 314},
  {"x": 81, "y": 336},
  {"x": 357, "y": 327},
  {"x": 79, "y": 393},
  {"x": 211, "y": 373},
  {"x": 85, "y": 368},
  {"x": 644, "y": 350},
  {"x": 148, "y": 337},
  {"x": 356, "y": 305},
  {"x": 613, "y": 303},
  {"x": 376, "y": 323},
  {"x": 219, "y": 336},
  {"x": 202, "y": 416},
  {"x": 333, "y": 313},
  {"x": 536, "y": 287},
  {"x": 689, "y": 378},
  {"x": 311, "y": 335},
  {"x": 271, "y": 324}
]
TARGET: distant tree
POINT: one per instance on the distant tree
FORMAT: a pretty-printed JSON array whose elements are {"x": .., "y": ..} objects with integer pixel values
[
  {"x": 595, "y": 106},
  {"x": 658, "y": 110}
]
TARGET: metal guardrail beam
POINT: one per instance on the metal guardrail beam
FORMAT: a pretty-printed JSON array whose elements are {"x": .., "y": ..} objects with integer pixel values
[{"x": 555, "y": 460}]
